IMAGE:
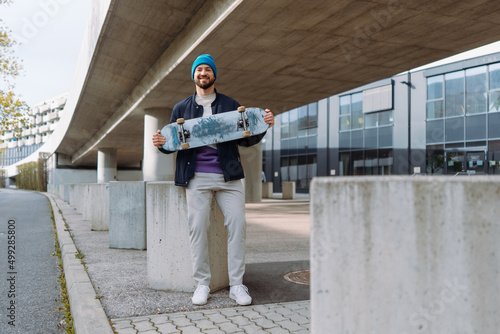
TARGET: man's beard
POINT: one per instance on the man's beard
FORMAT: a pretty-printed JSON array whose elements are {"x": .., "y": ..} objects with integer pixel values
[{"x": 204, "y": 86}]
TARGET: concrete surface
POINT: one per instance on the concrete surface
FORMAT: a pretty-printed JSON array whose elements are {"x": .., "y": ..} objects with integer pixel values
[
  {"x": 145, "y": 49},
  {"x": 127, "y": 215},
  {"x": 288, "y": 189},
  {"x": 29, "y": 295},
  {"x": 271, "y": 318},
  {"x": 405, "y": 254},
  {"x": 169, "y": 257},
  {"x": 119, "y": 277},
  {"x": 88, "y": 315},
  {"x": 267, "y": 189},
  {"x": 92, "y": 201}
]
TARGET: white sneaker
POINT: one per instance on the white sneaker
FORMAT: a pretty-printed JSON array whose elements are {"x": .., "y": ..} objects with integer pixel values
[
  {"x": 239, "y": 293},
  {"x": 201, "y": 295}
]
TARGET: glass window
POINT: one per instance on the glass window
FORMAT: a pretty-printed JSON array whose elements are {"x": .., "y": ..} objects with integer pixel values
[
  {"x": 358, "y": 163},
  {"x": 494, "y": 101},
  {"x": 475, "y": 81},
  {"x": 285, "y": 147},
  {"x": 494, "y": 157},
  {"x": 435, "y": 159},
  {"x": 494, "y": 76},
  {"x": 385, "y": 137},
  {"x": 494, "y": 125},
  {"x": 454, "y": 129},
  {"x": 455, "y": 162},
  {"x": 435, "y": 87},
  {"x": 385, "y": 118},
  {"x": 292, "y": 168},
  {"x": 385, "y": 162},
  {"x": 345, "y": 123},
  {"x": 371, "y": 162},
  {"x": 357, "y": 110},
  {"x": 284, "y": 170},
  {"x": 371, "y": 120},
  {"x": 345, "y": 164},
  {"x": 454, "y": 94},
  {"x": 312, "y": 166},
  {"x": 294, "y": 123},
  {"x": 357, "y": 139},
  {"x": 371, "y": 138},
  {"x": 293, "y": 146},
  {"x": 312, "y": 143},
  {"x": 476, "y": 127},
  {"x": 344, "y": 140},
  {"x": 435, "y": 131},
  {"x": 303, "y": 124},
  {"x": 285, "y": 133},
  {"x": 302, "y": 182},
  {"x": 345, "y": 105},
  {"x": 312, "y": 115},
  {"x": 435, "y": 109}
]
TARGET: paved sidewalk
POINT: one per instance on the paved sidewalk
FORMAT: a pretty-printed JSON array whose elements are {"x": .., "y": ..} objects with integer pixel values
[
  {"x": 293, "y": 317},
  {"x": 277, "y": 243}
]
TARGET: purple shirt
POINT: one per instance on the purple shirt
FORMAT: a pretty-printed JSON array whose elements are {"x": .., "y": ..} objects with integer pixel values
[{"x": 207, "y": 160}]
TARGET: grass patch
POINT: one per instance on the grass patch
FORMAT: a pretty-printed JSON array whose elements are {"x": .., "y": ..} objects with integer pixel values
[{"x": 67, "y": 323}]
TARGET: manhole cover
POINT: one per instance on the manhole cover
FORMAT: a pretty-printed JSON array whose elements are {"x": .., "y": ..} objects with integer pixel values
[{"x": 299, "y": 277}]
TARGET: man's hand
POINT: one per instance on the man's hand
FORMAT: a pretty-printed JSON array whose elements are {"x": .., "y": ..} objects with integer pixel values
[
  {"x": 269, "y": 117},
  {"x": 158, "y": 139}
]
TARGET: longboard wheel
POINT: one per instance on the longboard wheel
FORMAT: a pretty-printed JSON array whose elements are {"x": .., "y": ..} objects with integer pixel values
[
  {"x": 185, "y": 146},
  {"x": 241, "y": 109},
  {"x": 246, "y": 134},
  {"x": 180, "y": 120}
]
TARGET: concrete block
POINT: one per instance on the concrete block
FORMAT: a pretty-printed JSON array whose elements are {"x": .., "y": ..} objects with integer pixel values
[
  {"x": 169, "y": 259},
  {"x": 97, "y": 206},
  {"x": 71, "y": 194},
  {"x": 267, "y": 189},
  {"x": 127, "y": 215},
  {"x": 288, "y": 190},
  {"x": 66, "y": 193},
  {"x": 405, "y": 255}
]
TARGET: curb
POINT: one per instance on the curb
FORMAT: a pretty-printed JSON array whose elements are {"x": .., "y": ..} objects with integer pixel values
[{"x": 87, "y": 312}]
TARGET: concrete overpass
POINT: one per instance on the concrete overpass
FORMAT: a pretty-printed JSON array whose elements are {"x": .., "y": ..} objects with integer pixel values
[{"x": 279, "y": 54}]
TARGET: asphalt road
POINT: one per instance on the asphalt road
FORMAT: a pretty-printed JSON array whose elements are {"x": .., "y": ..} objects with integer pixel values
[{"x": 28, "y": 268}]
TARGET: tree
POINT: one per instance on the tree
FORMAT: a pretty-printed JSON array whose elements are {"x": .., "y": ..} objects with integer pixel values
[{"x": 13, "y": 109}]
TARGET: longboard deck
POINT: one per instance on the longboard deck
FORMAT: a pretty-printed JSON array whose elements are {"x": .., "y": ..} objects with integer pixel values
[{"x": 214, "y": 129}]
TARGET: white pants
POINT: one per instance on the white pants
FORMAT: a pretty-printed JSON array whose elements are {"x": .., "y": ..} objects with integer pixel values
[{"x": 231, "y": 199}]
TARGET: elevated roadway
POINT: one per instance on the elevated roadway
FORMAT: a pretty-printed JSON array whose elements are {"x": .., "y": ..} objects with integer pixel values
[{"x": 276, "y": 54}]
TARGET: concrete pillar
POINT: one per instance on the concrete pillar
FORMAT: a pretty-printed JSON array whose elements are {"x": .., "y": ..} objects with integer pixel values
[
  {"x": 156, "y": 166},
  {"x": 97, "y": 206},
  {"x": 267, "y": 190},
  {"x": 169, "y": 258},
  {"x": 402, "y": 254},
  {"x": 251, "y": 159},
  {"x": 106, "y": 165},
  {"x": 127, "y": 215},
  {"x": 288, "y": 190}
]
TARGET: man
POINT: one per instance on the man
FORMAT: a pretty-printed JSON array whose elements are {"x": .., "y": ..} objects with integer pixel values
[{"x": 213, "y": 170}]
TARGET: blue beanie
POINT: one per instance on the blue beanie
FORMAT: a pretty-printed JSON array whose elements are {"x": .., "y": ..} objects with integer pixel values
[{"x": 204, "y": 59}]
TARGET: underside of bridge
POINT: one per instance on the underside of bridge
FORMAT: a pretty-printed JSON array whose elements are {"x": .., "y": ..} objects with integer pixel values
[{"x": 277, "y": 54}]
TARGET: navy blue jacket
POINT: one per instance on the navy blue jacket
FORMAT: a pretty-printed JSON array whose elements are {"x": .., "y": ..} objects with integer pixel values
[{"x": 229, "y": 156}]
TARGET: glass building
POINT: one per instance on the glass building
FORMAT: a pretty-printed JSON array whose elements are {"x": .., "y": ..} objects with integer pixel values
[
  {"x": 438, "y": 120},
  {"x": 43, "y": 119}
]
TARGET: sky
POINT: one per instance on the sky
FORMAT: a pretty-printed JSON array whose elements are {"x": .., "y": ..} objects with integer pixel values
[{"x": 50, "y": 34}]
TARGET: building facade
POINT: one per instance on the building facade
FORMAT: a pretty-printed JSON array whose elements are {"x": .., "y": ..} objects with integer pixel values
[
  {"x": 438, "y": 120},
  {"x": 43, "y": 117}
]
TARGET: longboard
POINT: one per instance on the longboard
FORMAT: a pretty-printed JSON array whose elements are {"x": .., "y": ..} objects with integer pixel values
[{"x": 223, "y": 127}]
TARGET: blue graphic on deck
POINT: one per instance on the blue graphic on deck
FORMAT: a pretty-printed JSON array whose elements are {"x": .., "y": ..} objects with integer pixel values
[
  {"x": 214, "y": 129},
  {"x": 211, "y": 129}
]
